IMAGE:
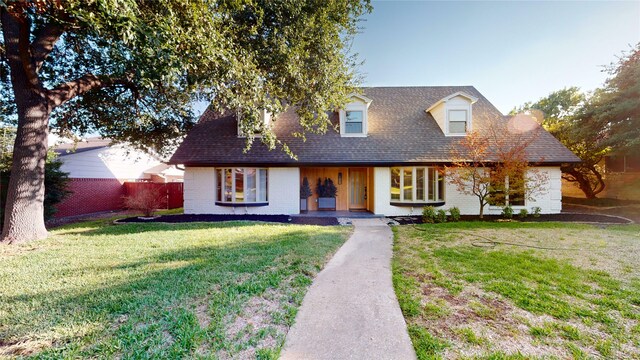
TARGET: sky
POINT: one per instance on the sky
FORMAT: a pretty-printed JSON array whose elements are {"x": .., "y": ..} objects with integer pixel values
[{"x": 512, "y": 52}]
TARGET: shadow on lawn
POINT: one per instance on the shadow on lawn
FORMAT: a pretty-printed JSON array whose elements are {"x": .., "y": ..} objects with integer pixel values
[{"x": 150, "y": 310}]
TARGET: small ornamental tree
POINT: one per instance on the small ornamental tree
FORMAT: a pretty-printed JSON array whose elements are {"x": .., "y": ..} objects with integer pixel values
[
  {"x": 146, "y": 200},
  {"x": 484, "y": 158},
  {"x": 305, "y": 189}
]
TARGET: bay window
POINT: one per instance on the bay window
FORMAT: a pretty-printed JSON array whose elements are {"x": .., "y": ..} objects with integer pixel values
[
  {"x": 242, "y": 186},
  {"x": 417, "y": 185}
]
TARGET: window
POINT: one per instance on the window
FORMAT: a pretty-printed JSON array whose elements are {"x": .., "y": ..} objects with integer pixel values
[
  {"x": 457, "y": 121},
  {"x": 353, "y": 117},
  {"x": 241, "y": 186},
  {"x": 264, "y": 121},
  {"x": 511, "y": 191},
  {"x": 395, "y": 184},
  {"x": 354, "y": 122},
  {"x": 417, "y": 185}
]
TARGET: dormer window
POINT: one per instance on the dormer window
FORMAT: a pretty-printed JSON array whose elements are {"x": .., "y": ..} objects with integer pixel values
[
  {"x": 264, "y": 122},
  {"x": 454, "y": 113},
  {"x": 353, "y": 118},
  {"x": 458, "y": 120}
]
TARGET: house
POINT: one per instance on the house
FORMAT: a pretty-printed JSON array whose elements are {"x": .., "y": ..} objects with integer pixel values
[
  {"x": 384, "y": 159},
  {"x": 98, "y": 171}
]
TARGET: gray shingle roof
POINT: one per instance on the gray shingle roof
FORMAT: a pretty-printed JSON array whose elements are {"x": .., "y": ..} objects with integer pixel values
[
  {"x": 400, "y": 132},
  {"x": 88, "y": 144}
]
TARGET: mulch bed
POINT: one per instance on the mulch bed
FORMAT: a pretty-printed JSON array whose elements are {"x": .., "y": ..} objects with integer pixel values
[
  {"x": 186, "y": 218},
  {"x": 563, "y": 217}
]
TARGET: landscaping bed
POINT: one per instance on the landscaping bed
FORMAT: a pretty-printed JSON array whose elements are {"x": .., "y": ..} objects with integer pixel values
[
  {"x": 562, "y": 217},
  {"x": 189, "y": 218}
]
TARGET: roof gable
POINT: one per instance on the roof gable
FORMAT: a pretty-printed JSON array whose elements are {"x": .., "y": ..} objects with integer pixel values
[
  {"x": 472, "y": 99},
  {"x": 361, "y": 98}
]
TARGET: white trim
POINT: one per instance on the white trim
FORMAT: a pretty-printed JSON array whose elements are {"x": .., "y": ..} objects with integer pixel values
[
  {"x": 471, "y": 98},
  {"x": 354, "y": 106},
  {"x": 450, "y": 108}
]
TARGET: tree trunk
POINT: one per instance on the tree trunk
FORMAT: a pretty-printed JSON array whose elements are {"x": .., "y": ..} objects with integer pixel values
[
  {"x": 481, "y": 209},
  {"x": 24, "y": 208},
  {"x": 589, "y": 187}
]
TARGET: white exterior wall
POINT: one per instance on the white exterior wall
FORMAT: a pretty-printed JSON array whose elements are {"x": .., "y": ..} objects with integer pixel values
[
  {"x": 549, "y": 199},
  {"x": 200, "y": 189},
  {"x": 108, "y": 163}
]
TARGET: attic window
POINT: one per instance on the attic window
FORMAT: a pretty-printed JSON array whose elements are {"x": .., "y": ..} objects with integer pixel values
[
  {"x": 458, "y": 122},
  {"x": 354, "y": 117},
  {"x": 264, "y": 122}
]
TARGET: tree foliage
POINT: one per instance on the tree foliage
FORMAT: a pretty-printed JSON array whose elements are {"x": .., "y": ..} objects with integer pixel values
[
  {"x": 491, "y": 161},
  {"x": 564, "y": 114},
  {"x": 614, "y": 110},
  {"x": 131, "y": 69},
  {"x": 597, "y": 124}
]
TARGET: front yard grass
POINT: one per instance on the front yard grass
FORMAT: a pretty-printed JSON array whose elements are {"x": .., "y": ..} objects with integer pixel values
[
  {"x": 577, "y": 295},
  {"x": 226, "y": 290}
]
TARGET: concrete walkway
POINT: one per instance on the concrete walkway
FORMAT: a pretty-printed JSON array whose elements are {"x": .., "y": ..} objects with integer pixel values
[{"x": 351, "y": 310}]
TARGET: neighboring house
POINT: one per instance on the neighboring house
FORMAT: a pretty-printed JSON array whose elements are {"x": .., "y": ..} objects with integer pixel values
[
  {"x": 384, "y": 159},
  {"x": 98, "y": 171}
]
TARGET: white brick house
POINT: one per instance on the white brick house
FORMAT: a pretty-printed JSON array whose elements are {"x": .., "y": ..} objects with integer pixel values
[{"x": 385, "y": 158}]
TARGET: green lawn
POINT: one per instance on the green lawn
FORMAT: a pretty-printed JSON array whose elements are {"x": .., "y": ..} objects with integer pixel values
[
  {"x": 578, "y": 299},
  {"x": 198, "y": 290}
]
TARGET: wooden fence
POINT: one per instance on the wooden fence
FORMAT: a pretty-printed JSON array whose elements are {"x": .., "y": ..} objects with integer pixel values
[{"x": 172, "y": 192}]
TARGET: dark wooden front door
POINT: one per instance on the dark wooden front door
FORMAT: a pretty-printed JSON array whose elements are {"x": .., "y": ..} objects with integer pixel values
[{"x": 357, "y": 189}]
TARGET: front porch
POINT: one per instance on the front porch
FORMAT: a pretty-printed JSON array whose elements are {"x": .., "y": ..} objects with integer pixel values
[{"x": 355, "y": 190}]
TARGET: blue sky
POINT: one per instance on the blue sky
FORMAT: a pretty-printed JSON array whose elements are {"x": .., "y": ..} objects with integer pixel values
[{"x": 512, "y": 52}]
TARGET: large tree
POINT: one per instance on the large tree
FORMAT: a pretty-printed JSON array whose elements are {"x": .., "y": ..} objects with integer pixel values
[
  {"x": 614, "y": 110},
  {"x": 130, "y": 70},
  {"x": 594, "y": 125},
  {"x": 564, "y": 113}
]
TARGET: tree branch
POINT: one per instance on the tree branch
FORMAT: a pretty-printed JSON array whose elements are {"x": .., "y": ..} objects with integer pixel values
[
  {"x": 67, "y": 91},
  {"x": 15, "y": 27},
  {"x": 45, "y": 40}
]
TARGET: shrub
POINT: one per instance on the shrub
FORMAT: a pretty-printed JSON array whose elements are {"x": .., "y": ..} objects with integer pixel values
[
  {"x": 455, "y": 214},
  {"x": 326, "y": 189},
  {"x": 145, "y": 200},
  {"x": 441, "y": 216},
  {"x": 305, "y": 189},
  {"x": 428, "y": 214},
  {"x": 536, "y": 210},
  {"x": 507, "y": 212},
  {"x": 523, "y": 213}
]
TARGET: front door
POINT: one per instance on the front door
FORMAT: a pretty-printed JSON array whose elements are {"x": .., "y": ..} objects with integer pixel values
[{"x": 358, "y": 189}]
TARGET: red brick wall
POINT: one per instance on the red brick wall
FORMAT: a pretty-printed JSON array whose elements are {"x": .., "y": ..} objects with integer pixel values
[{"x": 91, "y": 195}]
